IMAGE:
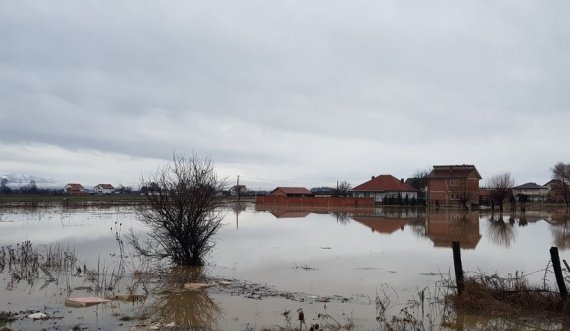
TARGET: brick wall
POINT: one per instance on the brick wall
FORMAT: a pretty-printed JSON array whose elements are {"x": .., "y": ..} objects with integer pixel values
[{"x": 315, "y": 202}]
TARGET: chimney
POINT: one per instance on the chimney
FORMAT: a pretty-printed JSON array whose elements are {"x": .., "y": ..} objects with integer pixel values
[
  {"x": 402, "y": 180},
  {"x": 372, "y": 178}
]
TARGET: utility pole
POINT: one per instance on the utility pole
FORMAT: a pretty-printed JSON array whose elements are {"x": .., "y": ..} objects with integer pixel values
[{"x": 237, "y": 187}]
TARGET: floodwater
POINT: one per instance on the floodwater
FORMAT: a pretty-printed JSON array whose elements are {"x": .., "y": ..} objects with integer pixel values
[{"x": 337, "y": 266}]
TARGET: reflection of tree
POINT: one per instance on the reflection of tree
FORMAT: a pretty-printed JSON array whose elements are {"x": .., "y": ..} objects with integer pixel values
[
  {"x": 342, "y": 217},
  {"x": 188, "y": 309},
  {"x": 561, "y": 230},
  {"x": 523, "y": 221},
  {"x": 418, "y": 227},
  {"x": 192, "y": 309},
  {"x": 499, "y": 232}
]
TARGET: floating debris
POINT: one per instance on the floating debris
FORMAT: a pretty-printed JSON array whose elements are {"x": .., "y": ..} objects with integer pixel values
[
  {"x": 38, "y": 316},
  {"x": 198, "y": 286},
  {"x": 84, "y": 302}
]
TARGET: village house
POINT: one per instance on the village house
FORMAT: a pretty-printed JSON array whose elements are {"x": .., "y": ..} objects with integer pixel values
[
  {"x": 103, "y": 189},
  {"x": 453, "y": 185},
  {"x": 533, "y": 191},
  {"x": 555, "y": 190},
  {"x": 241, "y": 189},
  {"x": 292, "y": 192},
  {"x": 385, "y": 187},
  {"x": 74, "y": 189}
]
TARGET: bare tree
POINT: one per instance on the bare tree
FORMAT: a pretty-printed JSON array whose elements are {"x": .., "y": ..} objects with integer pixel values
[
  {"x": 4, "y": 188},
  {"x": 501, "y": 187},
  {"x": 183, "y": 211},
  {"x": 342, "y": 189},
  {"x": 561, "y": 175},
  {"x": 419, "y": 179}
]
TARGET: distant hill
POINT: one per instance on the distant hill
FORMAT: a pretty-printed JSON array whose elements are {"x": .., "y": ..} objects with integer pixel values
[{"x": 17, "y": 180}]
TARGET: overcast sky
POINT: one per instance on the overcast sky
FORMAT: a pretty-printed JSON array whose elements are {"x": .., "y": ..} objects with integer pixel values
[{"x": 289, "y": 93}]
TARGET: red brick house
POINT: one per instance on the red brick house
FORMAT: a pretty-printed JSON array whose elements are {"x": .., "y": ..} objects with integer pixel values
[
  {"x": 385, "y": 187},
  {"x": 292, "y": 192},
  {"x": 74, "y": 188},
  {"x": 453, "y": 185}
]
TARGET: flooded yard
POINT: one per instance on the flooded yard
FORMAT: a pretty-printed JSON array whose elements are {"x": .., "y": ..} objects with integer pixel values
[{"x": 344, "y": 269}]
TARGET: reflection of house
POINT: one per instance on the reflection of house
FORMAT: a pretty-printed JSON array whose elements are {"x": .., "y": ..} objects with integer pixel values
[
  {"x": 445, "y": 227},
  {"x": 556, "y": 190},
  {"x": 290, "y": 213},
  {"x": 383, "y": 225},
  {"x": 453, "y": 185},
  {"x": 103, "y": 189},
  {"x": 385, "y": 187},
  {"x": 533, "y": 191},
  {"x": 74, "y": 188},
  {"x": 292, "y": 192}
]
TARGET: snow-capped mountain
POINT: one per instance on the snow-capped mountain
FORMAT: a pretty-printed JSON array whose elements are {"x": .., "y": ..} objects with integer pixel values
[{"x": 22, "y": 179}]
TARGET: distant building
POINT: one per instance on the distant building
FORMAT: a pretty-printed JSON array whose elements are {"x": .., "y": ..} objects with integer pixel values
[
  {"x": 385, "y": 187},
  {"x": 420, "y": 185},
  {"x": 555, "y": 190},
  {"x": 323, "y": 191},
  {"x": 74, "y": 189},
  {"x": 103, "y": 189},
  {"x": 453, "y": 185},
  {"x": 292, "y": 192},
  {"x": 533, "y": 191},
  {"x": 241, "y": 189}
]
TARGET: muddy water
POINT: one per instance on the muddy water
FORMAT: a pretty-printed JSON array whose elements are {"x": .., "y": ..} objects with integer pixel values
[{"x": 276, "y": 260}]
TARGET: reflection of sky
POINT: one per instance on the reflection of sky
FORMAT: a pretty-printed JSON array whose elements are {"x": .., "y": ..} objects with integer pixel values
[
  {"x": 272, "y": 251},
  {"x": 87, "y": 231}
]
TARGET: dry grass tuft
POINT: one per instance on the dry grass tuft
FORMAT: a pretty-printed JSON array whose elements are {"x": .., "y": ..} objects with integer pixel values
[{"x": 511, "y": 296}]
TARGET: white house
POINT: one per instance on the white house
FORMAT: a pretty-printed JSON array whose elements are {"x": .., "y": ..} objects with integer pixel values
[
  {"x": 533, "y": 191},
  {"x": 385, "y": 187},
  {"x": 103, "y": 189}
]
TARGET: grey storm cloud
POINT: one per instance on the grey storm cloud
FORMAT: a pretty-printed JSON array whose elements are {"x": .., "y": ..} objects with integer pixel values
[{"x": 311, "y": 91}]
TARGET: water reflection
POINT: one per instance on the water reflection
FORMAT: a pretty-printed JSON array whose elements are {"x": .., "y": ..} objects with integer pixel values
[
  {"x": 561, "y": 228},
  {"x": 192, "y": 309},
  {"x": 445, "y": 227},
  {"x": 499, "y": 232}
]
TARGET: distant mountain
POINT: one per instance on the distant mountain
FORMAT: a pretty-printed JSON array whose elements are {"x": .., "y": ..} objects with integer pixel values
[{"x": 22, "y": 179}]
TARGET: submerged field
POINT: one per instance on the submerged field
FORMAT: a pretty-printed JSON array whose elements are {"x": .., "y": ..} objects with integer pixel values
[{"x": 344, "y": 269}]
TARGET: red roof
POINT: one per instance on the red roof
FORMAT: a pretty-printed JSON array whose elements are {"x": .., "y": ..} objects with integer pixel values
[
  {"x": 453, "y": 171},
  {"x": 383, "y": 225},
  {"x": 384, "y": 183},
  {"x": 106, "y": 186},
  {"x": 74, "y": 186},
  {"x": 294, "y": 190}
]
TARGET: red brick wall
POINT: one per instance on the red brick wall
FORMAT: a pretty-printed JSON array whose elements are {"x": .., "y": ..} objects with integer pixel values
[
  {"x": 440, "y": 190},
  {"x": 315, "y": 202}
]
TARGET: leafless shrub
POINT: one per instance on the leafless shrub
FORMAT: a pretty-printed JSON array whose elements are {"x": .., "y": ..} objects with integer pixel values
[{"x": 183, "y": 211}]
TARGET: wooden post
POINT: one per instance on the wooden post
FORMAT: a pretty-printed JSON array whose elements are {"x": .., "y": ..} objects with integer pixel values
[
  {"x": 558, "y": 272},
  {"x": 458, "y": 266}
]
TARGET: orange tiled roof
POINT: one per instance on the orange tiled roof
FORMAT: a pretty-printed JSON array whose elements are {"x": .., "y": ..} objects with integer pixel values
[{"x": 384, "y": 183}]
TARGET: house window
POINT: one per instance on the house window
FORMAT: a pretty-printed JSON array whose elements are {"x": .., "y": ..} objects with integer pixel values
[{"x": 454, "y": 182}]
